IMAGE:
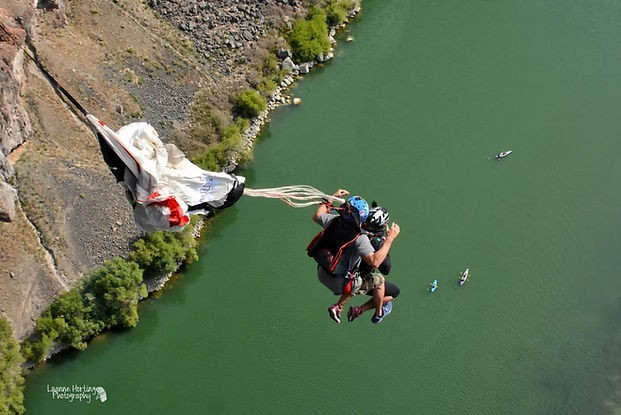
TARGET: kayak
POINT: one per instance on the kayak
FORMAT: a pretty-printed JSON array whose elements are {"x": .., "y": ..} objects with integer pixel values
[
  {"x": 503, "y": 154},
  {"x": 464, "y": 277},
  {"x": 433, "y": 286}
]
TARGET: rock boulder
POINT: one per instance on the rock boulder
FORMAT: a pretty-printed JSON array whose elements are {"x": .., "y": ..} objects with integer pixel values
[{"x": 7, "y": 202}]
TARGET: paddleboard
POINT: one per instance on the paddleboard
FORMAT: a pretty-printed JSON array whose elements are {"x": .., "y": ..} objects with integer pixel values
[{"x": 464, "y": 277}]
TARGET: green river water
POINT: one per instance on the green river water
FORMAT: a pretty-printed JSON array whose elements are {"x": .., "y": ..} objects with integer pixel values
[{"x": 411, "y": 114}]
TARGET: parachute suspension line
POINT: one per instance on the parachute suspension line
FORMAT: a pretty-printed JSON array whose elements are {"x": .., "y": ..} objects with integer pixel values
[{"x": 296, "y": 196}]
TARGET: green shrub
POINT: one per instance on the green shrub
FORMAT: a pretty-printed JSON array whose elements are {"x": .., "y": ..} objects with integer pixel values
[
  {"x": 207, "y": 122},
  {"x": 336, "y": 13},
  {"x": 308, "y": 37},
  {"x": 249, "y": 104},
  {"x": 116, "y": 288},
  {"x": 215, "y": 158},
  {"x": 35, "y": 347},
  {"x": 108, "y": 297},
  {"x": 270, "y": 74},
  {"x": 269, "y": 66},
  {"x": 11, "y": 379},
  {"x": 233, "y": 133},
  {"x": 69, "y": 320},
  {"x": 109, "y": 294},
  {"x": 268, "y": 85},
  {"x": 160, "y": 252}
]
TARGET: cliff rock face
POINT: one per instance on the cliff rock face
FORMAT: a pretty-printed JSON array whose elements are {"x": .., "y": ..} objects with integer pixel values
[
  {"x": 7, "y": 202},
  {"x": 61, "y": 212},
  {"x": 28, "y": 278},
  {"x": 15, "y": 125}
]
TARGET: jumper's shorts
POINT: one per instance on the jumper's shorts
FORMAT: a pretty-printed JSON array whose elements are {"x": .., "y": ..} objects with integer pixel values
[
  {"x": 362, "y": 283},
  {"x": 370, "y": 282}
]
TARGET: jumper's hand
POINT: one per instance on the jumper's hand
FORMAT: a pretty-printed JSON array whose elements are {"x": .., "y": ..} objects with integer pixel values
[
  {"x": 341, "y": 192},
  {"x": 392, "y": 232}
]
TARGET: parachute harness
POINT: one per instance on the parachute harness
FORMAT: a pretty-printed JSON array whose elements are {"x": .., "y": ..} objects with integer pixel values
[{"x": 296, "y": 196}]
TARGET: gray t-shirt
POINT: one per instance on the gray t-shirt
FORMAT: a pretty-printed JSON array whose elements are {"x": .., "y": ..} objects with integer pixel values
[{"x": 352, "y": 255}]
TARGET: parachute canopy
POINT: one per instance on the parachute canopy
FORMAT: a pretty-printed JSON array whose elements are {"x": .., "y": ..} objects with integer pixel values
[{"x": 162, "y": 184}]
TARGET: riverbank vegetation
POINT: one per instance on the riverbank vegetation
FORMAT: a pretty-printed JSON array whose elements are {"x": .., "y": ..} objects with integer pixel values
[
  {"x": 308, "y": 37},
  {"x": 215, "y": 131},
  {"x": 249, "y": 104},
  {"x": 161, "y": 253},
  {"x": 11, "y": 379},
  {"x": 108, "y": 297}
]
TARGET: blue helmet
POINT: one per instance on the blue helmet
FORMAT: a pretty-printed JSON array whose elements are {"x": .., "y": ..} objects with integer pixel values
[{"x": 360, "y": 205}]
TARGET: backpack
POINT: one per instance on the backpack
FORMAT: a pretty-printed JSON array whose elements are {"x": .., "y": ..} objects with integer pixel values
[{"x": 327, "y": 246}]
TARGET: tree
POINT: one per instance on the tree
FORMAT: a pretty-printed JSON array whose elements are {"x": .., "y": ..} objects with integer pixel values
[
  {"x": 336, "y": 13},
  {"x": 116, "y": 288},
  {"x": 36, "y": 347},
  {"x": 69, "y": 319},
  {"x": 11, "y": 379},
  {"x": 308, "y": 37},
  {"x": 108, "y": 297},
  {"x": 250, "y": 104},
  {"x": 161, "y": 252}
]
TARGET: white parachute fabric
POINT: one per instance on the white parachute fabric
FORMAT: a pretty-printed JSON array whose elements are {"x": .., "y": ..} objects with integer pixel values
[
  {"x": 165, "y": 186},
  {"x": 173, "y": 171}
]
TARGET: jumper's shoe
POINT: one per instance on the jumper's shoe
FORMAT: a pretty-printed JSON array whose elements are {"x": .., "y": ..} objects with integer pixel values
[
  {"x": 353, "y": 313},
  {"x": 334, "y": 311},
  {"x": 386, "y": 309}
]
